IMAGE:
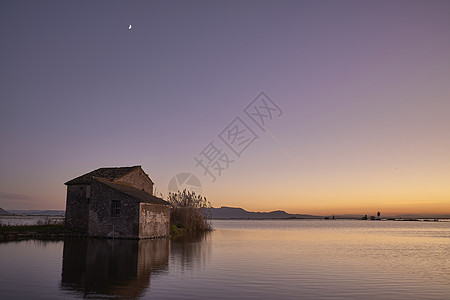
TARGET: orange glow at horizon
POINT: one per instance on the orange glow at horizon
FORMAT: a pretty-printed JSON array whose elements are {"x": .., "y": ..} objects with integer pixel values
[{"x": 388, "y": 197}]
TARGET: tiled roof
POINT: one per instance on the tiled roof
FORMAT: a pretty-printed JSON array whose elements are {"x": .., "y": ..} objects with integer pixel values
[
  {"x": 105, "y": 173},
  {"x": 139, "y": 195}
]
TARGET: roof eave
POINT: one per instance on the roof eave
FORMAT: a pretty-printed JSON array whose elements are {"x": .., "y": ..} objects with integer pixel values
[{"x": 139, "y": 200}]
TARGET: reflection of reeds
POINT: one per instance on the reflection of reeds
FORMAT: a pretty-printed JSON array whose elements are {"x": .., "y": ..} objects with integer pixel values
[
  {"x": 190, "y": 251},
  {"x": 192, "y": 237}
]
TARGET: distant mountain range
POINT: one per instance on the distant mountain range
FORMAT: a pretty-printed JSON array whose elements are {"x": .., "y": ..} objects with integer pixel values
[
  {"x": 240, "y": 213},
  {"x": 3, "y": 212},
  {"x": 225, "y": 212}
]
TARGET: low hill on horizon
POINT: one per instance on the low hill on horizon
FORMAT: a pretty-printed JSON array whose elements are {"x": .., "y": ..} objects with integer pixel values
[
  {"x": 225, "y": 212},
  {"x": 3, "y": 212}
]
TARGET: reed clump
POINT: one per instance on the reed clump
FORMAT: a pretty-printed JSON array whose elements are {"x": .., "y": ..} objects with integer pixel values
[{"x": 189, "y": 213}]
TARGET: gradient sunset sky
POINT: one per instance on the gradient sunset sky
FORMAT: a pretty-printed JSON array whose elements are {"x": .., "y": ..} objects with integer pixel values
[{"x": 363, "y": 87}]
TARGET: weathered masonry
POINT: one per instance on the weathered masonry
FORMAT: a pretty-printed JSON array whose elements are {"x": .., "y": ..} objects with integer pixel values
[{"x": 116, "y": 202}]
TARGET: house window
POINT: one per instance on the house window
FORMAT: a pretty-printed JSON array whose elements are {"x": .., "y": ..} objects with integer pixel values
[{"x": 115, "y": 208}]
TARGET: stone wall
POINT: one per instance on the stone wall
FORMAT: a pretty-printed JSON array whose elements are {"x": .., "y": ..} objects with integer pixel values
[
  {"x": 138, "y": 179},
  {"x": 154, "y": 220},
  {"x": 102, "y": 223},
  {"x": 77, "y": 207}
]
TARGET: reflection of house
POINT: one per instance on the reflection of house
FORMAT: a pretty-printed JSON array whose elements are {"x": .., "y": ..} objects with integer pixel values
[
  {"x": 116, "y": 202},
  {"x": 119, "y": 268}
]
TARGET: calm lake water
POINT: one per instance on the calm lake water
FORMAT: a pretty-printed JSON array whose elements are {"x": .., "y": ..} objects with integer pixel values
[{"x": 293, "y": 259}]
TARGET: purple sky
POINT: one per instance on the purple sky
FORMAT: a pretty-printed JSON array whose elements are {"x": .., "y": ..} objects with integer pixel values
[{"x": 364, "y": 87}]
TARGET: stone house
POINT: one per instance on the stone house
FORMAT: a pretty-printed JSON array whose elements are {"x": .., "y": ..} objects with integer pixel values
[{"x": 116, "y": 202}]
